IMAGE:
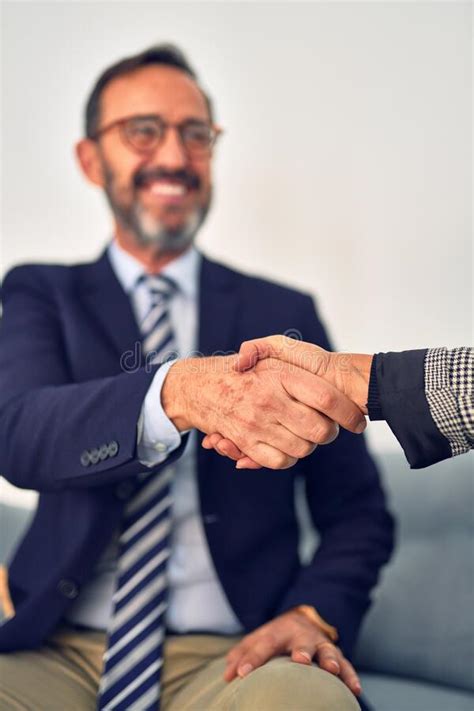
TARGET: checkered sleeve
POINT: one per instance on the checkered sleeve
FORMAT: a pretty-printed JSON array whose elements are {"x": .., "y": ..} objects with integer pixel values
[{"x": 449, "y": 388}]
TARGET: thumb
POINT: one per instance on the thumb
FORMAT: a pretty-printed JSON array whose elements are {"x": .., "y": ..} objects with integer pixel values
[{"x": 258, "y": 349}]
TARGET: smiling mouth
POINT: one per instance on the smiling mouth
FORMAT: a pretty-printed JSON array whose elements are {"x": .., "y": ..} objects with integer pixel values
[{"x": 166, "y": 190}]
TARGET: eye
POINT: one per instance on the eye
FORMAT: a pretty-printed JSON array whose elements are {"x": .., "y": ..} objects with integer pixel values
[
  {"x": 198, "y": 135},
  {"x": 143, "y": 132}
]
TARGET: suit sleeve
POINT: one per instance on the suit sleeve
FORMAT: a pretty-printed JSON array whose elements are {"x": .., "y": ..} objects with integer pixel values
[
  {"x": 48, "y": 422},
  {"x": 348, "y": 509},
  {"x": 426, "y": 397}
]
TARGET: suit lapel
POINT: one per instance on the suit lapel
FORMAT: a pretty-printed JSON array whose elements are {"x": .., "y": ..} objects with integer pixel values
[
  {"x": 107, "y": 304},
  {"x": 218, "y": 309}
]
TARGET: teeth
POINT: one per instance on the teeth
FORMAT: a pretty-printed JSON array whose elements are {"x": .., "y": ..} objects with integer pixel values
[{"x": 171, "y": 189}]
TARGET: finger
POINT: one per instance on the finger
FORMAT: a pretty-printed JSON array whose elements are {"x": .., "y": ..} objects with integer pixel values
[
  {"x": 233, "y": 658},
  {"x": 317, "y": 393},
  {"x": 270, "y": 457},
  {"x": 251, "y": 352},
  {"x": 263, "y": 650},
  {"x": 328, "y": 658},
  {"x": 304, "y": 355},
  {"x": 209, "y": 441},
  {"x": 230, "y": 671},
  {"x": 282, "y": 438},
  {"x": 224, "y": 447},
  {"x": 308, "y": 424},
  {"x": 236, "y": 654},
  {"x": 228, "y": 449},
  {"x": 247, "y": 463},
  {"x": 350, "y": 677},
  {"x": 303, "y": 654}
]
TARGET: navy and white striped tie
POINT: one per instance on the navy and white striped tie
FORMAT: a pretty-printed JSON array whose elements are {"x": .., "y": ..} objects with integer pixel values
[{"x": 132, "y": 663}]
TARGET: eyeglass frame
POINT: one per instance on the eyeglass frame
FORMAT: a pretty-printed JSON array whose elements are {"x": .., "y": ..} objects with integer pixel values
[{"x": 120, "y": 123}]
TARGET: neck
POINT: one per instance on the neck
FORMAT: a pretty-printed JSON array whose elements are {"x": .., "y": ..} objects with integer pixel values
[{"x": 152, "y": 259}]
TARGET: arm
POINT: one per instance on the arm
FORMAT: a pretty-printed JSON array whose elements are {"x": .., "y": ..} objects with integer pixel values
[
  {"x": 47, "y": 421},
  {"x": 427, "y": 398},
  {"x": 49, "y": 424}
]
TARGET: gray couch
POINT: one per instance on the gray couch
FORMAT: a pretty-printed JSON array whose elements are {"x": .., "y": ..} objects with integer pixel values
[{"x": 416, "y": 651}]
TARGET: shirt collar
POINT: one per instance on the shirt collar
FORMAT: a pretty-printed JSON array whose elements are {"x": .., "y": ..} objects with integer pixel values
[{"x": 184, "y": 270}]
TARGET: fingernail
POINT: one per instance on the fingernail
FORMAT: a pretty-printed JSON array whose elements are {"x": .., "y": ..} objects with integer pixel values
[
  {"x": 361, "y": 428},
  {"x": 357, "y": 688},
  {"x": 335, "y": 666},
  {"x": 305, "y": 655},
  {"x": 244, "y": 670},
  {"x": 239, "y": 465}
]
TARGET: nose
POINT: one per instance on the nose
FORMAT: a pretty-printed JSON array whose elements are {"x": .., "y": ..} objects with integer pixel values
[{"x": 171, "y": 154}]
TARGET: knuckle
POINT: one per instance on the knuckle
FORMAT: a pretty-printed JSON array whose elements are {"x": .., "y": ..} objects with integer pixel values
[
  {"x": 269, "y": 640},
  {"x": 353, "y": 420},
  {"x": 327, "y": 400},
  {"x": 328, "y": 431},
  {"x": 308, "y": 448},
  {"x": 301, "y": 448},
  {"x": 280, "y": 460}
]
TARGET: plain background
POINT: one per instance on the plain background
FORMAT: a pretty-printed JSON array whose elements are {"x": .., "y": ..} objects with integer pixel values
[{"x": 345, "y": 168}]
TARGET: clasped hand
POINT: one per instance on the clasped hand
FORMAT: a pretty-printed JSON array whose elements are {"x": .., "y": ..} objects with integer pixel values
[
  {"x": 260, "y": 408},
  {"x": 333, "y": 385}
]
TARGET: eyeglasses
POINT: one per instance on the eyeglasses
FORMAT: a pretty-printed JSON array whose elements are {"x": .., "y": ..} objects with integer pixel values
[{"x": 145, "y": 133}]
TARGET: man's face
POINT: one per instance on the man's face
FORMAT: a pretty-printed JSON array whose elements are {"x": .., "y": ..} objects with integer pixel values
[{"x": 160, "y": 198}]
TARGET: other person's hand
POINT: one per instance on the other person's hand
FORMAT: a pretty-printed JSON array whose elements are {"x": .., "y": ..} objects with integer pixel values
[
  {"x": 275, "y": 413},
  {"x": 294, "y": 634}
]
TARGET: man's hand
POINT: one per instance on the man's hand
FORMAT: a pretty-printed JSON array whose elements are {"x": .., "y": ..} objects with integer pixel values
[
  {"x": 348, "y": 374},
  {"x": 294, "y": 634},
  {"x": 274, "y": 413}
]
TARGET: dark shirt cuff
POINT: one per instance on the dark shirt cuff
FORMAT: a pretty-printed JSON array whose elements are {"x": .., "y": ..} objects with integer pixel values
[{"x": 374, "y": 407}]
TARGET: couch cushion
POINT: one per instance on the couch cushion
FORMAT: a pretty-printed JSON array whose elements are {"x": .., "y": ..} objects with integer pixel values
[
  {"x": 421, "y": 623},
  {"x": 386, "y": 693}
]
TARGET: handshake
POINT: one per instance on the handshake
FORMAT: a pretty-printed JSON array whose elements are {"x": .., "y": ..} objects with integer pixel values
[{"x": 272, "y": 403}]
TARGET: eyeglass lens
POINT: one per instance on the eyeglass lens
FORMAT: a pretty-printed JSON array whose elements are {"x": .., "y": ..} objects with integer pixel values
[{"x": 145, "y": 133}]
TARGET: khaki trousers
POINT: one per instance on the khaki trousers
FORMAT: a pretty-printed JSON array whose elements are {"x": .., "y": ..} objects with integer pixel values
[{"x": 64, "y": 674}]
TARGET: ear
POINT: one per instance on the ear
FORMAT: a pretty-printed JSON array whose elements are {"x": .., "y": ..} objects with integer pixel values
[{"x": 87, "y": 153}]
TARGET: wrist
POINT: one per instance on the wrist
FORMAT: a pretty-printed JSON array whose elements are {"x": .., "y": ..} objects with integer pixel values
[
  {"x": 174, "y": 394},
  {"x": 358, "y": 387}
]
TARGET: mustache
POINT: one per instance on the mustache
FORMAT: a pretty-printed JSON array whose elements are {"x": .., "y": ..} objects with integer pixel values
[{"x": 190, "y": 180}]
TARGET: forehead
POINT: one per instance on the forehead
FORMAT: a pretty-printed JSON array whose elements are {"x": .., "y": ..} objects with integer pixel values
[{"x": 167, "y": 91}]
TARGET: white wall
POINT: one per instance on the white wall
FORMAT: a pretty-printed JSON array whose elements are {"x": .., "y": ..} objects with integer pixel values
[{"x": 346, "y": 168}]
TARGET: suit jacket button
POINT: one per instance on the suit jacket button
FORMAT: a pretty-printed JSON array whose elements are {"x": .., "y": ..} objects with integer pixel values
[
  {"x": 68, "y": 588},
  {"x": 124, "y": 490},
  {"x": 113, "y": 448},
  {"x": 103, "y": 452},
  {"x": 94, "y": 456},
  {"x": 85, "y": 458}
]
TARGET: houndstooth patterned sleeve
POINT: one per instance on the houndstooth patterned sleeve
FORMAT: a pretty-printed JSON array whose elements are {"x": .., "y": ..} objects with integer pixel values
[{"x": 449, "y": 387}]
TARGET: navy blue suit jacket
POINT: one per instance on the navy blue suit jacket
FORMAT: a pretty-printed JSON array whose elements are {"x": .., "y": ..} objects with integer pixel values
[{"x": 62, "y": 391}]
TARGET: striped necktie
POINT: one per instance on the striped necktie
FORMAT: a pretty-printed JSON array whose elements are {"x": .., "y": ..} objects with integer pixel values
[{"x": 132, "y": 663}]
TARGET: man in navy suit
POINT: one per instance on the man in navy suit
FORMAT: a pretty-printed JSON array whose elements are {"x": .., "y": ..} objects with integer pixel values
[{"x": 91, "y": 421}]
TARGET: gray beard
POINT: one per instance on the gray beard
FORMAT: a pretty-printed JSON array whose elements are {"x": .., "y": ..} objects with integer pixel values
[{"x": 149, "y": 231}]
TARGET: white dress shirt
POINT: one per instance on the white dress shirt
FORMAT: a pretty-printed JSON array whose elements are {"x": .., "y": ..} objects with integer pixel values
[{"x": 196, "y": 599}]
